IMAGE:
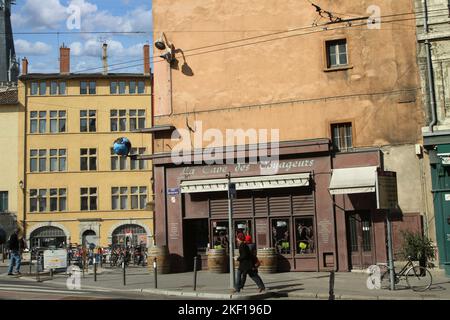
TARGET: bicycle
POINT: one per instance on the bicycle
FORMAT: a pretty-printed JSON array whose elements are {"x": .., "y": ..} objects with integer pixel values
[{"x": 418, "y": 278}]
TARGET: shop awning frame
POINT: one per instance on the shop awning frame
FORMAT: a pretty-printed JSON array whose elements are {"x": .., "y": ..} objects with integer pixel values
[
  {"x": 353, "y": 180},
  {"x": 247, "y": 183}
]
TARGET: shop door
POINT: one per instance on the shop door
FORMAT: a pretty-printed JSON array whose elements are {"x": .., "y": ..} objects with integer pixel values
[
  {"x": 195, "y": 233},
  {"x": 360, "y": 240}
]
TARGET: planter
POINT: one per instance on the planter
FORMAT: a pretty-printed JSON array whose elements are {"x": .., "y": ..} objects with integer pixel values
[{"x": 217, "y": 261}]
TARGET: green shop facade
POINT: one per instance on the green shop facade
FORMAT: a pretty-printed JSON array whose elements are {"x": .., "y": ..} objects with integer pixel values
[{"x": 438, "y": 145}]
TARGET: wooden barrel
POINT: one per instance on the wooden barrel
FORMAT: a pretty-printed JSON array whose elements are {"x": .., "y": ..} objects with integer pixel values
[
  {"x": 268, "y": 260},
  {"x": 162, "y": 259},
  {"x": 217, "y": 261}
]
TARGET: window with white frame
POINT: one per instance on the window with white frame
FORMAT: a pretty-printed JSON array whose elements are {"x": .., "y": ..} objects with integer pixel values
[
  {"x": 337, "y": 53},
  {"x": 342, "y": 136},
  {"x": 88, "y": 120},
  {"x": 136, "y": 164},
  {"x": 57, "y": 121},
  {"x": 118, "y": 162},
  {"x": 88, "y": 159},
  {"x": 88, "y": 199}
]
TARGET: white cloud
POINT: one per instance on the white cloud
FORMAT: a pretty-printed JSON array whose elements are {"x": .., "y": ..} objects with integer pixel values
[
  {"x": 40, "y": 16},
  {"x": 24, "y": 47},
  {"x": 93, "y": 48}
]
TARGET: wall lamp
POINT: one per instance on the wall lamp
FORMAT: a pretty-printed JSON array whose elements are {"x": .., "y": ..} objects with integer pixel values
[{"x": 163, "y": 44}]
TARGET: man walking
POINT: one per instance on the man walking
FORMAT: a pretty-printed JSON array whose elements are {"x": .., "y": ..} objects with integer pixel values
[
  {"x": 16, "y": 246},
  {"x": 246, "y": 266}
]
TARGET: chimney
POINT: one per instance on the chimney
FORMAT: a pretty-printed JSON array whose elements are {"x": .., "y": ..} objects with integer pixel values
[
  {"x": 105, "y": 58},
  {"x": 147, "y": 59},
  {"x": 64, "y": 60},
  {"x": 24, "y": 66}
]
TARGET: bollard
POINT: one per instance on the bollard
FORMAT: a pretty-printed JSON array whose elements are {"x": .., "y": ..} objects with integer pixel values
[
  {"x": 124, "y": 273},
  {"x": 331, "y": 292},
  {"x": 195, "y": 273},
  {"x": 38, "y": 262},
  {"x": 155, "y": 271},
  {"x": 51, "y": 274},
  {"x": 3, "y": 253},
  {"x": 95, "y": 270}
]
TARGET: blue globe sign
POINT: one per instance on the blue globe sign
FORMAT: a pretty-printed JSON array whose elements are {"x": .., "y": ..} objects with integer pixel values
[{"x": 122, "y": 147}]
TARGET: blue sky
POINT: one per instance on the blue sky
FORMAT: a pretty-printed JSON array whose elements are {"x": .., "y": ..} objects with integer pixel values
[{"x": 96, "y": 15}]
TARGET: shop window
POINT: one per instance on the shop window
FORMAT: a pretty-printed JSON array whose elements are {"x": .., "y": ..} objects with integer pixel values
[
  {"x": 305, "y": 239},
  {"x": 244, "y": 227},
  {"x": 220, "y": 235},
  {"x": 281, "y": 236}
]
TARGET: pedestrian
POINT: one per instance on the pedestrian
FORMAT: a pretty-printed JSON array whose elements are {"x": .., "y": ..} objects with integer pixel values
[
  {"x": 16, "y": 246},
  {"x": 247, "y": 266}
]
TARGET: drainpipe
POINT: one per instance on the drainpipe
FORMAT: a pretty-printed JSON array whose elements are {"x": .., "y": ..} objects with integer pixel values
[{"x": 430, "y": 69}]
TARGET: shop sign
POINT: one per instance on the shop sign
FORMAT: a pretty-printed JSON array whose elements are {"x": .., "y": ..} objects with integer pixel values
[
  {"x": 274, "y": 167},
  {"x": 55, "y": 259},
  {"x": 387, "y": 190}
]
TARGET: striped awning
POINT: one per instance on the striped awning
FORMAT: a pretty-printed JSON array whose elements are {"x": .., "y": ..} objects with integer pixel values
[{"x": 247, "y": 183}]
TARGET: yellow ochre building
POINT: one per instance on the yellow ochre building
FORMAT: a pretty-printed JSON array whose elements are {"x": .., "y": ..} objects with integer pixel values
[{"x": 74, "y": 190}]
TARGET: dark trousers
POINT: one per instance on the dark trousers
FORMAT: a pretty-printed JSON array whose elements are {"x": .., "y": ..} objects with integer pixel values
[{"x": 241, "y": 278}]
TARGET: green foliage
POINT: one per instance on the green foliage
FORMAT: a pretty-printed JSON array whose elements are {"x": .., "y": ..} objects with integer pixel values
[{"x": 416, "y": 246}]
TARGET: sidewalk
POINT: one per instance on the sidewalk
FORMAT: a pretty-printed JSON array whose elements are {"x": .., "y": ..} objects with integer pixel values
[{"x": 292, "y": 285}]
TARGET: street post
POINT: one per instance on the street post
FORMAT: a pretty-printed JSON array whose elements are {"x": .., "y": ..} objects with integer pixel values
[{"x": 231, "y": 196}]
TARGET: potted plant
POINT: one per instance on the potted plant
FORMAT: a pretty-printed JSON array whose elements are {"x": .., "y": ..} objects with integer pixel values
[{"x": 418, "y": 247}]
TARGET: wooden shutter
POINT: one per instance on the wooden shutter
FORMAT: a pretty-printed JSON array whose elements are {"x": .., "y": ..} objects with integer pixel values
[
  {"x": 261, "y": 206},
  {"x": 280, "y": 205},
  {"x": 218, "y": 207},
  {"x": 243, "y": 206},
  {"x": 303, "y": 204}
]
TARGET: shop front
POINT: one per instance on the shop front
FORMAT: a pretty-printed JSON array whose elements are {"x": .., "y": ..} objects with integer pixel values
[{"x": 292, "y": 211}]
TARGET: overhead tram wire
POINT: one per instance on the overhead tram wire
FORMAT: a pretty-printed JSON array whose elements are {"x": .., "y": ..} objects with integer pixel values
[{"x": 323, "y": 26}]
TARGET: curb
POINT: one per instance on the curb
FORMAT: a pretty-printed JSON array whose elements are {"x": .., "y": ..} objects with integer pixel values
[{"x": 207, "y": 295}]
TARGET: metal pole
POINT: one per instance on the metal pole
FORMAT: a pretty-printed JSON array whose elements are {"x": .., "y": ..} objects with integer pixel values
[
  {"x": 230, "y": 234},
  {"x": 38, "y": 265},
  {"x": 124, "y": 274},
  {"x": 195, "y": 273},
  {"x": 331, "y": 292},
  {"x": 95, "y": 270},
  {"x": 155, "y": 271},
  {"x": 390, "y": 251},
  {"x": 3, "y": 253}
]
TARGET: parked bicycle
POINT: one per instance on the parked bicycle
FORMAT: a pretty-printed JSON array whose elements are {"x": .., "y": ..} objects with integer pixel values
[{"x": 418, "y": 278}]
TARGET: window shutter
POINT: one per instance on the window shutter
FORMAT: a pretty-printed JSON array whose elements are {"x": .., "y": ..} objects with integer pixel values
[
  {"x": 218, "y": 207},
  {"x": 303, "y": 204},
  {"x": 280, "y": 205}
]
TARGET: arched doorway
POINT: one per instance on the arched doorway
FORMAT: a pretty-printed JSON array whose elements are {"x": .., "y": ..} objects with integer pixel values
[
  {"x": 3, "y": 236},
  {"x": 129, "y": 235},
  {"x": 48, "y": 237},
  {"x": 89, "y": 239}
]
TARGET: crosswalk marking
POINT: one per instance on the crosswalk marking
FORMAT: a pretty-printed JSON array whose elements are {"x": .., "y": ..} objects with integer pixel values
[{"x": 41, "y": 290}]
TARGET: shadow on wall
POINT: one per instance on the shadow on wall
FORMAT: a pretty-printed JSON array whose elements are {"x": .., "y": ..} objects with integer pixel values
[{"x": 185, "y": 68}]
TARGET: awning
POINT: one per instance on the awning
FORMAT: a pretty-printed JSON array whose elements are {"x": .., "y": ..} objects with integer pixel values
[
  {"x": 353, "y": 180},
  {"x": 247, "y": 183}
]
